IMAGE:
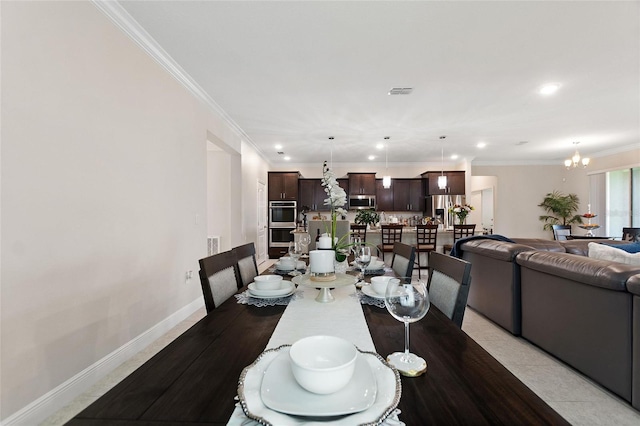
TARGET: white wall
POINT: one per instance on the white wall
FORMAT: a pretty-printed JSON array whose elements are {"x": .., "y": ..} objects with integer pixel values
[
  {"x": 103, "y": 175},
  {"x": 218, "y": 197}
]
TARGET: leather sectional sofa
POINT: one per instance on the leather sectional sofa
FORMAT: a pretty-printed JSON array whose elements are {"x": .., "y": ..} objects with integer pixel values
[{"x": 584, "y": 311}]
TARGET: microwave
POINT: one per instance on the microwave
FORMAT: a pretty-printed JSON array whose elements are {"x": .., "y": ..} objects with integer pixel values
[{"x": 362, "y": 202}]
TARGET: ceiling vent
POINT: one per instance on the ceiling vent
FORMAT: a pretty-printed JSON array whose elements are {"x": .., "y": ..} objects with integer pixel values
[{"x": 400, "y": 91}]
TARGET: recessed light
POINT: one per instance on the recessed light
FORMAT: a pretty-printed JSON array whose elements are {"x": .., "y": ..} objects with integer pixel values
[
  {"x": 278, "y": 147},
  {"x": 372, "y": 157},
  {"x": 454, "y": 156},
  {"x": 549, "y": 89},
  {"x": 380, "y": 146},
  {"x": 287, "y": 158},
  {"x": 481, "y": 145}
]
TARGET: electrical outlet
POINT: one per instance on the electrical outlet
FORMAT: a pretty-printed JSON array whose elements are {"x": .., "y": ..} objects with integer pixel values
[{"x": 189, "y": 276}]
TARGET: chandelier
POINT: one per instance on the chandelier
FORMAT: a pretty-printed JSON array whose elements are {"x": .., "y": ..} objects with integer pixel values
[{"x": 576, "y": 160}]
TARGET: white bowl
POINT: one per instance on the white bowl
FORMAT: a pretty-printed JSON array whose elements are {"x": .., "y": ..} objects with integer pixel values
[
  {"x": 287, "y": 262},
  {"x": 268, "y": 282},
  {"x": 379, "y": 284},
  {"x": 323, "y": 364}
]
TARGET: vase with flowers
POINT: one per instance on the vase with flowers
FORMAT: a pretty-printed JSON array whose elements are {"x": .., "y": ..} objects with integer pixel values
[
  {"x": 461, "y": 211},
  {"x": 336, "y": 199}
]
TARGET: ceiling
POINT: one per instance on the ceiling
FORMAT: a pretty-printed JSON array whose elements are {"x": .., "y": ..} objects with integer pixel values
[{"x": 295, "y": 73}]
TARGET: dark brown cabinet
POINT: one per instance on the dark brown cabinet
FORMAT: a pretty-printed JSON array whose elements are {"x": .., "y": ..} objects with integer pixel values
[
  {"x": 283, "y": 186},
  {"x": 384, "y": 197},
  {"x": 362, "y": 183},
  {"x": 311, "y": 194},
  {"x": 408, "y": 195},
  {"x": 455, "y": 183}
]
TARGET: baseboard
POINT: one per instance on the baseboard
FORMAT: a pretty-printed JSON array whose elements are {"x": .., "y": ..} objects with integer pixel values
[{"x": 62, "y": 395}]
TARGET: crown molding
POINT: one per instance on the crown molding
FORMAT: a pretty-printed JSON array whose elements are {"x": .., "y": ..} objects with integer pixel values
[{"x": 125, "y": 22}]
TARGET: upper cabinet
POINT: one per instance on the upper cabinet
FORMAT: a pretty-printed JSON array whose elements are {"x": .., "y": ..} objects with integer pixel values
[
  {"x": 455, "y": 183},
  {"x": 408, "y": 195},
  {"x": 384, "y": 197},
  {"x": 283, "y": 186},
  {"x": 311, "y": 194},
  {"x": 362, "y": 183}
]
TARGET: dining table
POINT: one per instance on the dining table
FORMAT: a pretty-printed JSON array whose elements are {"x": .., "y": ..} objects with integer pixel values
[{"x": 194, "y": 379}]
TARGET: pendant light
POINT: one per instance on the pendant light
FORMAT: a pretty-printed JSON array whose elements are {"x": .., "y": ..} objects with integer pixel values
[
  {"x": 442, "y": 179},
  {"x": 386, "y": 179},
  {"x": 576, "y": 160}
]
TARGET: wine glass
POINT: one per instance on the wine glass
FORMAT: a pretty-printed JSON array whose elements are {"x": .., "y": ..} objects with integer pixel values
[
  {"x": 407, "y": 300},
  {"x": 295, "y": 251},
  {"x": 362, "y": 259},
  {"x": 356, "y": 242},
  {"x": 304, "y": 240}
]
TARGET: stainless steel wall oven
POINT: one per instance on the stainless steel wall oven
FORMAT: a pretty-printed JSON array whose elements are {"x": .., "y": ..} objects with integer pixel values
[{"x": 282, "y": 220}]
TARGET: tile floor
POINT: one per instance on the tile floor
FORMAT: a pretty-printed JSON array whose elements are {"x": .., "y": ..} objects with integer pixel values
[{"x": 575, "y": 397}]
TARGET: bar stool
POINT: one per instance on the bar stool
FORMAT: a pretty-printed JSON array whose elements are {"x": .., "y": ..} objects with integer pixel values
[
  {"x": 426, "y": 236},
  {"x": 459, "y": 231},
  {"x": 390, "y": 234}
]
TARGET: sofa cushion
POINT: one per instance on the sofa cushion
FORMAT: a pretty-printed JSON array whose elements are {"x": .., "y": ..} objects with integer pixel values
[
  {"x": 595, "y": 272},
  {"x": 541, "y": 244},
  {"x": 633, "y": 285},
  {"x": 499, "y": 250},
  {"x": 613, "y": 254}
]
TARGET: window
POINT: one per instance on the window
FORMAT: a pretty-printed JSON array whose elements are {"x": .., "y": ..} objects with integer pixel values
[{"x": 621, "y": 199}]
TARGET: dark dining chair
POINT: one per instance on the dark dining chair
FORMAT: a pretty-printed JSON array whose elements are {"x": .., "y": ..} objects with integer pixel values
[
  {"x": 219, "y": 277},
  {"x": 631, "y": 234},
  {"x": 360, "y": 231},
  {"x": 561, "y": 232},
  {"x": 448, "y": 285},
  {"x": 247, "y": 265},
  {"x": 426, "y": 236},
  {"x": 403, "y": 259},
  {"x": 459, "y": 231},
  {"x": 389, "y": 235}
]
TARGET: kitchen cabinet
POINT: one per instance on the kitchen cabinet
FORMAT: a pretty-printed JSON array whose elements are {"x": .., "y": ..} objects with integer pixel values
[
  {"x": 283, "y": 186},
  {"x": 408, "y": 195},
  {"x": 362, "y": 183},
  {"x": 455, "y": 183},
  {"x": 311, "y": 194},
  {"x": 384, "y": 197}
]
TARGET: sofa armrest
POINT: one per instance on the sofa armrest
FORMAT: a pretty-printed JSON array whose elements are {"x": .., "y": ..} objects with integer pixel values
[
  {"x": 585, "y": 270},
  {"x": 581, "y": 247},
  {"x": 633, "y": 284},
  {"x": 540, "y": 244},
  {"x": 500, "y": 250}
]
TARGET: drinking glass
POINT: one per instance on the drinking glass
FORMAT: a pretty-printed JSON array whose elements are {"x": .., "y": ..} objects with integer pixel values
[
  {"x": 407, "y": 300},
  {"x": 362, "y": 259},
  {"x": 295, "y": 251},
  {"x": 304, "y": 240},
  {"x": 356, "y": 242}
]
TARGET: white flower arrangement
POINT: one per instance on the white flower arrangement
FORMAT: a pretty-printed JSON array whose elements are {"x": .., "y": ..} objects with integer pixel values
[
  {"x": 337, "y": 198},
  {"x": 461, "y": 211}
]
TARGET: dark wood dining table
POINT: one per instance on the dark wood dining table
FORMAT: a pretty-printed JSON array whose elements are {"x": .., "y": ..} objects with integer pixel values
[{"x": 193, "y": 380}]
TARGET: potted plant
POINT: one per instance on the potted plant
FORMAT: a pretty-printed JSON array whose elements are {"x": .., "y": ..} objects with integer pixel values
[
  {"x": 560, "y": 209},
  {"x": 367, "y": 217}
]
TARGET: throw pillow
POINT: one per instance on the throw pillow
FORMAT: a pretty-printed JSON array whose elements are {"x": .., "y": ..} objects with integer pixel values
[
  {"x": 604, "y": 252},
  {"x": 629, "y": 248}
]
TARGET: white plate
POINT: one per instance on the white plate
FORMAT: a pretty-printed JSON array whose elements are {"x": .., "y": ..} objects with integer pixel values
[
  {"x": 300, "y": 265},
  {"x": 285, "y": 288},
  {"x": 289, "y": 293},
  {"x": 366, "y": 289},
  {"x": 387, "y": 383},
  {"x": 282, "y": 393}
]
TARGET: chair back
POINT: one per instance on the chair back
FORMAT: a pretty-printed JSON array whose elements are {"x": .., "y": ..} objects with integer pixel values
[
  {"x": 247, "y": 265},
  {"x": 403, "y": 258},
  {"x": 391, "y": 234},
  {"x": 561, "y": 232},
  {"x": 426, "y": 237},
  {"x": 463, "y": 231},
  {"x": 631, "y": 234},
  {"x": 219, "y": 277},
  {"x": 360, "y": 231},
  {"x": 448, "y": 285}
]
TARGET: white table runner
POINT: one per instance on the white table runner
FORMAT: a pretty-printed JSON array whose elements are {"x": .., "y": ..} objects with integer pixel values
[{"x": 305, "y": 317}]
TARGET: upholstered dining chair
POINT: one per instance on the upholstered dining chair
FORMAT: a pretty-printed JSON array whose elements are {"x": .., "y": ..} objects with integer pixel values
[
  {"x": 360, "y": 231},
  {"x": 631, "y": 234},
  {"x": 459, "y": 231},
  {"x": 561, "y": 232},
  {"x": 426, "y": 236},
  {"x": 389, "y": 235},
  {"x": 403, "y": 259},
  {"x": 219, "y": 277},
  {"x": 247, "y": 265},
  {"x": 448, "y": 285}
]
